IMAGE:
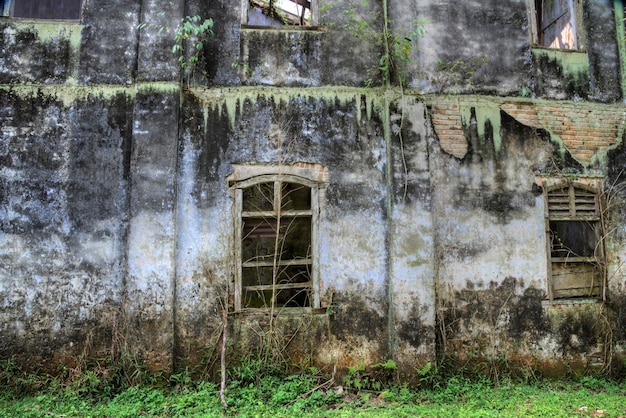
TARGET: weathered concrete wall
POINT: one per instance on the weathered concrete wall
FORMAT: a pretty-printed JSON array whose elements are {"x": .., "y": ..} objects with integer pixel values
[
  {"x": 39, "y": 51},
  {"x": 343, "y": 132},
  {"x": 491, "y": 242},
  {"x": 117, "y": 222},
  {"x": 64, "y": 184},
  {"x": 459, "y": 34},
  {"x": 287, "y": 57},
  {"x": 152, "y": 234}
]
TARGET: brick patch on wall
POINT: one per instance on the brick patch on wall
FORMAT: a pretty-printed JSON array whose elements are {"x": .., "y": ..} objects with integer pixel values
[
  {"x": 446, "y": 118},
  {"x": 584, "y": 128}
]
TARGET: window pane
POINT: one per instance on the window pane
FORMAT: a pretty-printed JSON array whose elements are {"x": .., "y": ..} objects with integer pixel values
[
  {"x": 260, "y": 239},
  {"x": 259, "y": 197},
  {"x": 47, "y": 9},
  {"x": 573, "y": 238},
  {"x": 295, "y": 197}
]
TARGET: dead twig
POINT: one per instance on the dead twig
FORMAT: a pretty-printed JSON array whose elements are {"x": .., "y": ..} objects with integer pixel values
[{"x": 223, "y": 357}]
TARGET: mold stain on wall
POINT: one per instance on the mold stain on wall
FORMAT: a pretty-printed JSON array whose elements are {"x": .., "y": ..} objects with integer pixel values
[{"x": 117, "y": 218}]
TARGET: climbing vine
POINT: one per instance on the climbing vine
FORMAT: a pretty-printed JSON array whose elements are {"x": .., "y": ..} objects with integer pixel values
[
  {"x": 190, "y": 38},
  {"x": 196, "y": 31},
  {"x": 397, "y": 48}
]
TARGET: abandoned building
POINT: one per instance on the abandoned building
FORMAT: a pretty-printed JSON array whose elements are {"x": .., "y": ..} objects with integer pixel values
[{"x": 341, "y": 183}]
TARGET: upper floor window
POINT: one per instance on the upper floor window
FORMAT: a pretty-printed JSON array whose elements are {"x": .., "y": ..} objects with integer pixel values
[
  {"x": 279, "y": 12},
  {"x": 42, "y": 9},
  {"x": 575, "y": 244},
  {"x": 556, "y": 23},
  {"x": 276, "y": 237}
]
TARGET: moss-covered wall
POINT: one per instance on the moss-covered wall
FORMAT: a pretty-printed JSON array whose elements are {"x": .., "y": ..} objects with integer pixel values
[
  {"x": 343, "y": 131},
  {"x": 116, "y": 221},
  {"x": 64, "y": 186}
]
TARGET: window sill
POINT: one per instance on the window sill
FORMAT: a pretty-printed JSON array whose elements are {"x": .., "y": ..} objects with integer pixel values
[
  {"x": 564, "y": 50},
  {"x": 30, "y": 20},
  {"x": 556, "y": 303},
  {"x": 279, "y": 312},
  {"x": 284, "y": 28}
]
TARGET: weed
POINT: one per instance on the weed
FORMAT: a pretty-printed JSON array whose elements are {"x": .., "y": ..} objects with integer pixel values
[
  {"x": 427, "y": 375},
  {"x": 375, "y": 377},
  {"x": 302, "y": 395},
  {"x": 249, "y": 371}
]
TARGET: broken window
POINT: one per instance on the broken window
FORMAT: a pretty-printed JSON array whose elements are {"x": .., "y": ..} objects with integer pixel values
[
  {"x": 279, "y": 12},
  {"x": 276, "y": 242},
  {"x": 556, "y": 25},
  {"x": 574, "y": 240},
  {"x": 42, "y": 9}
]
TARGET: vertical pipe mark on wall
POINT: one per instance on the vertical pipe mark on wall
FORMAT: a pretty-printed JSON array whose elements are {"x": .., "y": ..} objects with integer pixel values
[
  {"x": 389, "y": 229},
  {"x": 621, "y": 46},
  {"x": 179, "y": 140},
  {"x": 135, "y": 72}
]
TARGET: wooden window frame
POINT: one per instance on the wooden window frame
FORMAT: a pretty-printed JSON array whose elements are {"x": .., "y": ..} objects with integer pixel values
[
  {"x": 277, "y": 176},
  {"x": 581, "y": 204}
]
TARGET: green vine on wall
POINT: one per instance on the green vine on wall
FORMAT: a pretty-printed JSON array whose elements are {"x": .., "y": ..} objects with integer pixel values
[
  {"x": 196, "y": 31},
  {"x": 395, "y": 59},
  {"x": 192, "y": 31}
]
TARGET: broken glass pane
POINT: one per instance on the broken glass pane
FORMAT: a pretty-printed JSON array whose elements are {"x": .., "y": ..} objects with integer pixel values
[{"x": 279, "y": 12}]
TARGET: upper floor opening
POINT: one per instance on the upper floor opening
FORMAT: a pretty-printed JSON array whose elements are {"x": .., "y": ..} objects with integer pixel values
[
  {"x": 42, "y": 9},
  {"x": 557, "y": 24},
  {"x": 279, "y": 13}
]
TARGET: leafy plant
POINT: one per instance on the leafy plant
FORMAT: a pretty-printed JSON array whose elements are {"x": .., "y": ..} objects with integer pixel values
[
  {"x": 302, "y": 395},
  {"x": 525, "y": 91},
  {"x": 397, "y": 47},
  {"x": 191, "y": 30},
  {"x": 195, "y": 31},
  {"x": 245, "y": 68},
  {"x": 375, "y": 377}
]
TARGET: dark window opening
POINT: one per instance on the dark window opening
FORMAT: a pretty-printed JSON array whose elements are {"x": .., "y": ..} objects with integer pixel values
[
  {"x": 42, "y": 9},
  {"x": 571, "y": 239},
  {"x": 279, "y": 12},
  {"x": 575, "y": 250}
]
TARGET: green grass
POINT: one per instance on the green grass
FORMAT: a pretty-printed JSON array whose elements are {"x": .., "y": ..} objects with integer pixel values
[{"x": 310, "y": 396}]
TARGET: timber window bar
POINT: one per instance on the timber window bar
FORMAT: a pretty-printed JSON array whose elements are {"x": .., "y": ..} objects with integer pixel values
[{"x": 575, "y": 242}]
